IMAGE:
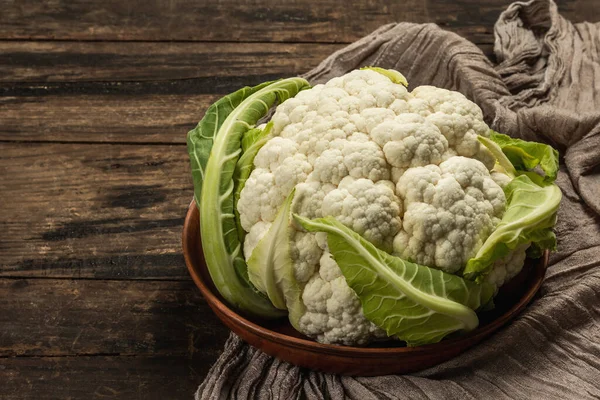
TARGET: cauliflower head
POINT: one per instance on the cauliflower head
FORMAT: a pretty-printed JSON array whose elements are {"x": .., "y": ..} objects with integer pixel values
[{"x": 403, "y": 169}]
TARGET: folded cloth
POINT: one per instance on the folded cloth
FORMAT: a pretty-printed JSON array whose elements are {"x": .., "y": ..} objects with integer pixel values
[{"x": 545, "y": 87}]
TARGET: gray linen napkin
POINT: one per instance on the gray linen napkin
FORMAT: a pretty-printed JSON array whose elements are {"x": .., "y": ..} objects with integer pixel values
[{"x": 546, "y": 87}]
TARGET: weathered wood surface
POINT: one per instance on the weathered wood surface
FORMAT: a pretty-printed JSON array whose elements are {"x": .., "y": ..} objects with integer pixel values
[
  {"x": 327, "y": 21},
  {"x": 102, "y": 377},
  {"x": 61, "y": 317},
  {"x": 101, "y": 118},
  {"x": 82, "y": 339},
  {"x": 130, "y": 92},
  {"x": 230, "y": 20},
  {"x": 24, "y": 61},
  {"x": 93, "y": 211}
]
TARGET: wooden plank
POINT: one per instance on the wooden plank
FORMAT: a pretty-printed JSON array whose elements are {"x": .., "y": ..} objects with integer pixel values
[
  {"x": 72, "y": 339},
  {"x": 123, "y": 378},
  {"x": 149, "y": 118},
  {"x": 100, "y": 68},
  {"x": 48, "y": 317},
  {"x": 225, "y": 20},
  {"x": 130, "y": 92},
  {"x": 24, "y": 61},
  {"x": 93, "y": 211},
  {"x": 259, "y": 20}
]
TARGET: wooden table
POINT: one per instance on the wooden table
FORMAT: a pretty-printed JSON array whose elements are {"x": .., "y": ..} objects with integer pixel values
[{"x": 95, "y": 103}]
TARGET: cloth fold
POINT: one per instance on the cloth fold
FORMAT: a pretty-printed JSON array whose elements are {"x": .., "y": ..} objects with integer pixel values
[{"x": 545, "y": 87}]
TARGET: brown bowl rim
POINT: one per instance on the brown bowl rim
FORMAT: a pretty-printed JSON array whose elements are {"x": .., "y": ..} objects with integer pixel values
[{"x": 342, "y": 350}]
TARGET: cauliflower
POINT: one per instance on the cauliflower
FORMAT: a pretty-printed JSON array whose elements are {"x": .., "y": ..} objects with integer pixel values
[
  {"x": 363, "y": 211},
  {"x": 403, "y": 169}
]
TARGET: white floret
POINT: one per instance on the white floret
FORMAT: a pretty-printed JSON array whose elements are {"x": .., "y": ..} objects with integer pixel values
[
  {"x": 370, "y": 118},
  {"x": 333, "y": 310},
  {"x": 411, "y": 141},
  {"x": 364, "y": 159},
  {"x": 500, "y": 178},
  {"x": 507, "y": 267},
  {"x": 329, "y": 167},
  {"x": 306, "y": 255},
  {"x": 329, "y": 269},
  {"x": 292, "y": 171},
  {"x": 279, "y": 168},
  {"x": 274, "y": 152},
  {"x": 308, "y": 199},
  {"x": 321, "y": 238},
  {"x": 419, "y": 106},
  {"x": 449, "y": 211},
  {"x": 357, "y": 157},
  {"x": 459, "y": 120},
  {"x": 260, "y": 199},
  {"x": 370, "y": 209},
  {"x": 316, "y": 139}
]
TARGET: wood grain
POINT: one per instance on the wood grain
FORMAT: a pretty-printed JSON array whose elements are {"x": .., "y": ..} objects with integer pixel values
[
  {"x": 130, "y": 92},
  {"x": 99, "y": 68},
  {"x": 93, "y": 211},
  {"x": 257, "y": 20},
  {"x": 226, "y": 20},
  {"x": 125, "y": 61},
  {"x": 74, "y": 339},
  {"x": 48, "y": 317},
  {"x": 102, "y": 118},
  {"x": 126, "y": 378}
]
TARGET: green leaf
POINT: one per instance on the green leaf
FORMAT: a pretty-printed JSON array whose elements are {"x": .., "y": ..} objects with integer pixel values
[
  {"x": 416, "y": 303},
  {"x": 271, "y": 269},
  {"x": 220, "y": 240},
  {"x": 529, "y": 218},
  {"x": 506, "y": 166},
  {"x": 525, "y": 156},
  {"x": 392, "y": 74},
  {"x": 200, "y": 139},
  {"x": 253, "y": 137},
  {"x": 252, "y": 141}
]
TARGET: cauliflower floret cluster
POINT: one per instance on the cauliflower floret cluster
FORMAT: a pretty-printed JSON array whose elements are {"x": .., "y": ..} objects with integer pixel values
[
  {"x": 333, "y": 311},
  {"x": 450, "y": 210},
  {"x": 507, "y": 267},
  {"x": 370, "y": 209},
  {"x": 403, "y": 169}
]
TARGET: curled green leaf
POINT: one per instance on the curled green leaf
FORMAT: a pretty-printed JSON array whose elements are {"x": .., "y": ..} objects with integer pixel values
[
  {"x": 200, "y": 139},
  {"x": 252, "y": 141},
  {"x": 220, "y": 139},
  {"x": 506, "y": 166},
  {"x": 413, "y": 302},
  {"x": 526, "y": 156},
  {"x": 392, "y": 74},
  {"x": 271, "y": 269},
  {"x": 529, "y": 218}
]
